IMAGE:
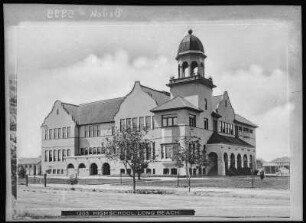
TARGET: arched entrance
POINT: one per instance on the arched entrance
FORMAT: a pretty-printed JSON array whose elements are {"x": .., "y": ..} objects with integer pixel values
[
  {"x": 245, "y": 161},
  {"x": 93, "y": 169},
  {"x": 239, "y": 161},
  {"x": 225, "y": 157},
  {"x": 232, "y": 164},
  {"x": 212, "y": 167},
  {"x": 82, "y": 169},
  {"x": 70, "y": 169},
  {"x": 106, "y": 169}
]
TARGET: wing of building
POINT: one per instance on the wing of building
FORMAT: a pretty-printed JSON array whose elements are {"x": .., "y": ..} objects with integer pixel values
[{"x": 74, "y": 136}]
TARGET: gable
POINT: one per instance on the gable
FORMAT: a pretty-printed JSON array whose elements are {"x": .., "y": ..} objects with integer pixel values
[{"x": 225, "y": 108}]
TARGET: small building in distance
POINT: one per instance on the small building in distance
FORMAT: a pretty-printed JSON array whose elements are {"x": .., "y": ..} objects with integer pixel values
[
  {"x": 31, "y": 165},
  {"x": 277, "y": 167}
]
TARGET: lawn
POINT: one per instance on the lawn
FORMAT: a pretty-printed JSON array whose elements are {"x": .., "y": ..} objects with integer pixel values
[{"x": 221, "y": 182}]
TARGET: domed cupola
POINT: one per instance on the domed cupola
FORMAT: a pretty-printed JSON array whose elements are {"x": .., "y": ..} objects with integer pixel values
[
  {"x": 190, "y": 57},
  {"x": 191, "y": 63},
  {"x": 190, "y": 44}
]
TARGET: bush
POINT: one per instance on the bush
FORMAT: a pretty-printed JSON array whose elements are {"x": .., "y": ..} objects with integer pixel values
[
  {"x": 232, "y": 171},
  {"x": 262, "y": 175},
  {"x": 72, "y": 180}
]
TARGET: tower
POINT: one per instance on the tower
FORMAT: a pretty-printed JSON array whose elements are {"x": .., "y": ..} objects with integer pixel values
[{"x": 190, "y": 81}]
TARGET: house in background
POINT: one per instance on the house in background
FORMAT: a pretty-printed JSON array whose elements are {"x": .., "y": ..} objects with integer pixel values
[
  {"x": 31, "y": 165},
  {"x": 278, "y": 167}
]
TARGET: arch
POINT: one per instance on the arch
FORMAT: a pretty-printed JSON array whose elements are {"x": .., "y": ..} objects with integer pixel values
[
  {"x": 179, "y": 71},
  {"x": 251, "y": 162},
  {"x": 239, "y": 161},
  {"x": 245, "y": 161},
  {"x": 70, "y": 166},
  {"x": 232, "y": 161},
  {"x": 106, "y": 169},
  {"x": 93, "y": 169},
  {"x": 225, "y": 157},
  {"x": 185, "y": 69},
  {"x": 173, "y": 171},
  {"x": 194, "y": 68},
  {"x": 212, "y": 167},
  {"x": 202, "y": 69},
  {"x": 82, "y": 165}
]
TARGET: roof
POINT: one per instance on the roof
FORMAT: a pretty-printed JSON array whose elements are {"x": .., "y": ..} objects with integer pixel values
[
  {"x": 216, "y": 138},
  {"x": 190, "y": 43},
  {"x": 284, "y": 159},
  {"x": 176, "y": 103},
  {"x": 95, "y": 112},
  {"x": 215, "y": 101},
  {"x": 29, "y": 160},
  {"x": 159, "y": 96},
  {"x": 242, "y": 120},
  {"x": 103, "y": 111}
]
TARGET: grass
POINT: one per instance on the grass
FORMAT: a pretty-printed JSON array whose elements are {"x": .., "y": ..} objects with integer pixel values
[{"x": 216, "y": 181}]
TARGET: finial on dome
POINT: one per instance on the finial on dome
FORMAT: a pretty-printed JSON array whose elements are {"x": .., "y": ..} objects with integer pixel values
[{"x": 190, "y": 31}]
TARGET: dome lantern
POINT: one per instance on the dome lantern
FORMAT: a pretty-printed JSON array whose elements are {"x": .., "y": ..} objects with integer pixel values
[{"x": 190, "y": 56}]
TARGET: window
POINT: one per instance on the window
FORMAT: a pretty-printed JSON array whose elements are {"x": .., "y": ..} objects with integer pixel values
[
  {"x": 59, "y": 155},
  {"x": 167, "y": 151},
  {"x": 169, "y": 121},
  {"x": 205, "y": 123},
  {"x": 50, "y": 155},
  {"x": 192, "y": 120},
  {"x": 205, "y": 105},
  {"x": 94, "y": 150},
  {"x": 148, "y": 122},
  {"x": 226, "y": 128},
  {"x": 134, "y": 123},
  {"x": 245, "y": 129},
  {"x": 240, "y": 128},
  {"x": 251, "y": 131},
  {"x": 141, "y": 123},
  {"x": 148, "y": 151},
  {"x": 99, "y": 130},
  {"x": 86, "y": 151},
  {"x": 99, "y": 150},
  {"x": 64, "y": 133},
  {"x": 95, "y": 129},
  {"x": 122, "y": 125},
  {"x": 68, "y": 152},
  {"x": 55, "y": 133},
  {"x": 68, "y": 132},
  {"x": 153, "y": 123},
  {"x": 232, "y": 129},
  {"x": 153, "y": 150},
  {"x": 128, "y": 123},
  {"x": 90, "y": 131},
  {"x": 46, "y": 132},
  {"x": 166, "y": 171},
  {"x": 63, "y": 154},
  {"x": 54, "y": 158},
  {"x": 59, "y": 133},
  {"x": 46, "y": 155}
]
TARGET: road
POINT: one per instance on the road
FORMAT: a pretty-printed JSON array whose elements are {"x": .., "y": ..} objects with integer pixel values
[{"x": 208, "y": 203}]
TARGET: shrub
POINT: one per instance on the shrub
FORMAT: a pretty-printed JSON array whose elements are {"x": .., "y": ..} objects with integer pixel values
[
  {"x": 262, "y": 175},
  {"x": 72, "y": 180},
  {"x": 232, "y": 171}
]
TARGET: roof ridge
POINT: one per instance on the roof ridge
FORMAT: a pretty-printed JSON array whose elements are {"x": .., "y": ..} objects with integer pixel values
[
  {"x": 163, "y": 92},
  {"x": 104, "y": 101},
  {"x": 69, "y": 104}
]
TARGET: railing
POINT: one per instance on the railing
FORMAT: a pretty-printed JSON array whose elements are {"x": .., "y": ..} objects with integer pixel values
[{"x": 191, "y": 78}]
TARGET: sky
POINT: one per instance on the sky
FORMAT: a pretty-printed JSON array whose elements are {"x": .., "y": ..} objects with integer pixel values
[{"x": 83, "y": 60}]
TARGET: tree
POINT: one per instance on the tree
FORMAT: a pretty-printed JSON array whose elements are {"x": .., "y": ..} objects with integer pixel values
[
  {"x": 191, "y": 153},
  {"x": 132, "y": 149},
  {"x": 22, "y": 172}
]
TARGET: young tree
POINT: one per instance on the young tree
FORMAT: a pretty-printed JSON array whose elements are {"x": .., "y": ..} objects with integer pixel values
[
  {"x": 132, "y": 149},
  {"x": 191, "y": 153}
]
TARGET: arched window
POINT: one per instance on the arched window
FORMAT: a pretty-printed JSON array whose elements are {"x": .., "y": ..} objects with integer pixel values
[
  {"x": 194, "y": 68},
  {"x": 90, "y": 150},
  {"x": 166, "y": 171},
  {"x": 86, "y": 151},
  {"x": 185, "y": 69},
  {"x": 205, "y": 103},
  {"x": 59, "y": 155},
  {"x": 54, "y": 155},
  {"x": 179, "y": 71},
  {"x": 82, "y": 165},
  {"x": 94, "y": 150},
  {"x": 202, "y": 69},
  {"x": 63, "y": 154},
  {"x": 46, "y": 155}
]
